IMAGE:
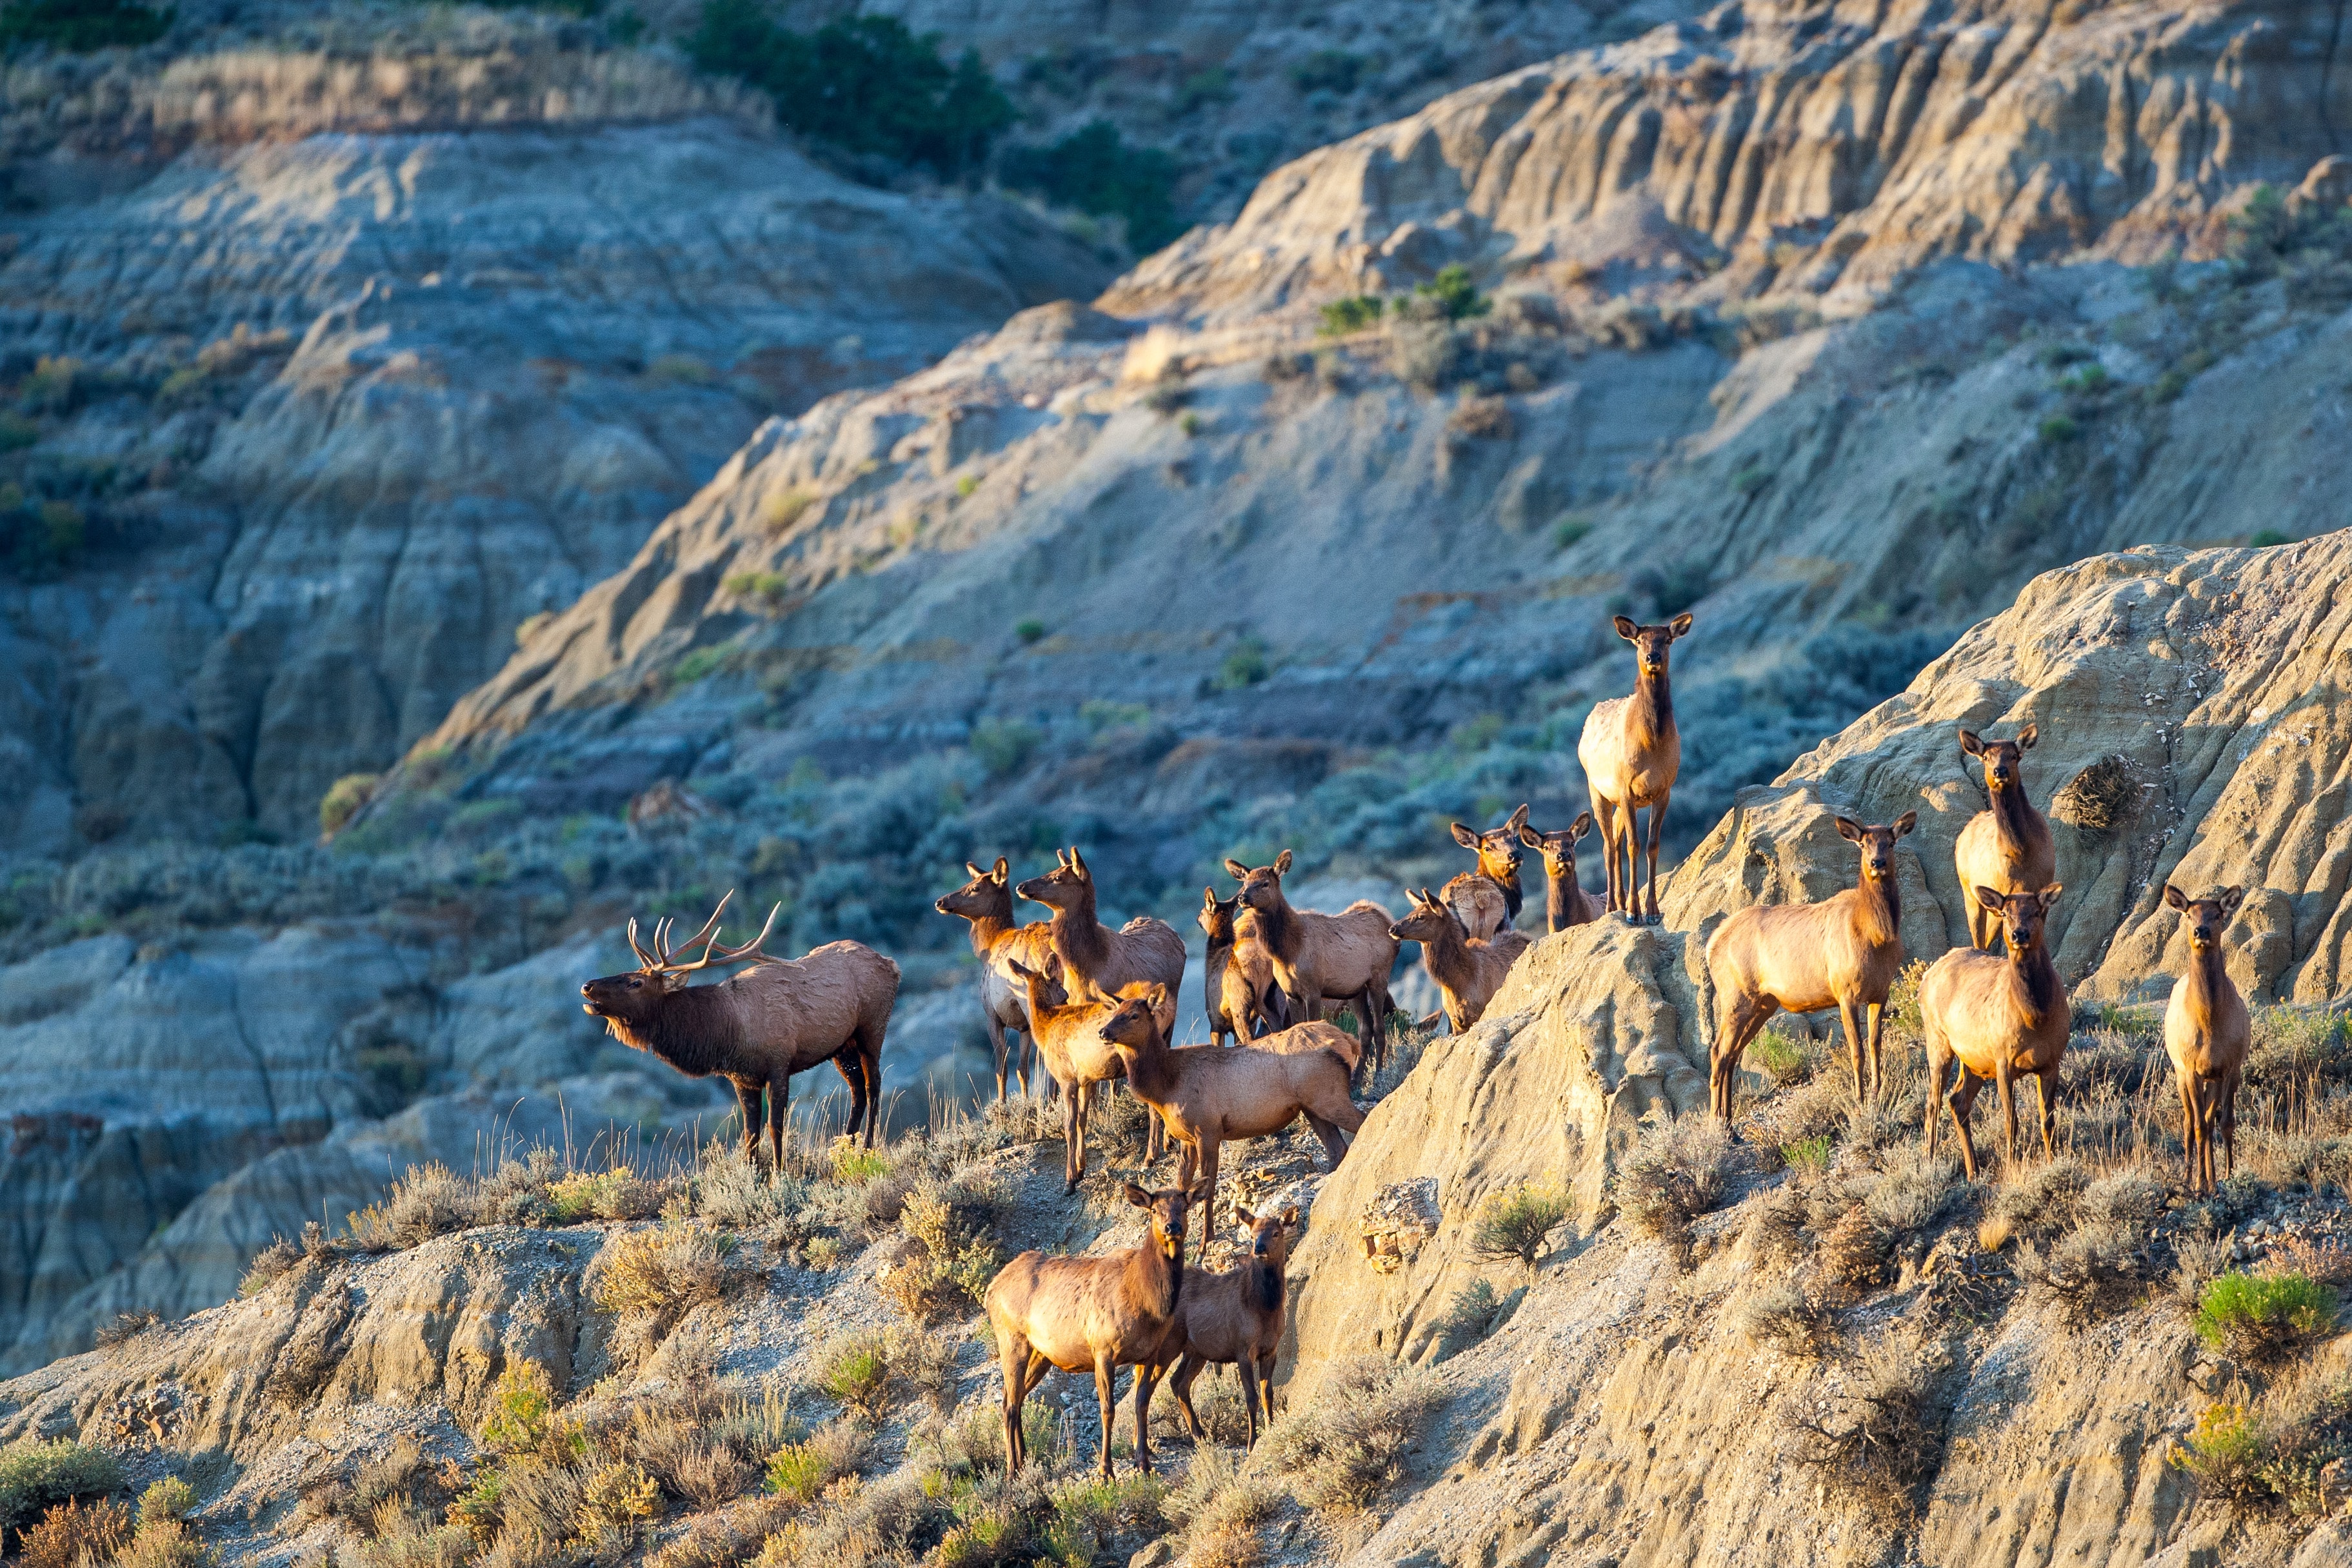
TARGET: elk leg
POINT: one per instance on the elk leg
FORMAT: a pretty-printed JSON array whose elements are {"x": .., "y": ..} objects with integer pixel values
[
  {"x": 1181, "y": 1386},
  {"x": 1074, "y": 1137},
  {"x": 1209, "y": 1147},
  {"x": 1963, "y": 1102},
  {"x": 1334, "y": 1149},
  {"x": 2228, "y": 1109},
  {"x": 2191, "y": 1130},
  {"x": 1147, "y": 1378},
  {"x": 1263, "y": 1374},
  {"x": 1937, "y": 1061},
  {"x": 996, "y": 1044},
  {"x": 846, "y": 1062},
  {"x": 1657, "y": 831},
  {"x": 1603, "y": 821},
  {"x": 1743, "y": 1020},
  {"x": 869, "y": 1056},
  {"x": 1028, "y": 1067},
  {"x": 747, "y": 1098},
  {"x": 1013, "y": 1359},
  {"x": 1855, "y": 1034},
  {"x": 1877, "y": 1018},
  {"x": 2004, "y": 1083},
  {"x": 779, "y": 1092},
  {"x": 2045, "y": 1093},
  {"x": 1103, "y": 1371}
]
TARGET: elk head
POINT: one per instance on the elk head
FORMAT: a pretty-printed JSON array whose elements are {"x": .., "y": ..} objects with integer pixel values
[
  {"x": 632, "y": 997},
  {"x": 1428, "y": 921},
  {"x": 1167, "y": 1206},
  {"x": 1557, "y": 850},
  {"x": 1217, "y": 915},
  {"x": 2021, "y": 915},
  {"x": 1142, "y": 1017},
  {"x": 1268, "y": 1236},
  {"x": 1069, "y": 885},
  {"x": 1047, "y": 987},
  {"x": 1498, "y": 849},
  {"x": 980, "y": 898},
  {"x": 2206, "y": 918},
  {"x": 1877, "y": 843},
  {"x": 2001, "y": 757},
  {"x": 1262, "y": 885},
  {"x": 1652, "y": 644}
]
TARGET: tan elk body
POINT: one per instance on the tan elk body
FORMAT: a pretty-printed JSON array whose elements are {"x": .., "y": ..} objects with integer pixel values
[
  {"x": 1318, "y": 958},
  {"x": 1566, "y": 903},
  {"x": 1312, "y": 1035},
  {"x": 1098, "y": 959},
  {"x": 2003, "y": 1017},
  {"x": 1468, "y": 972},
  {"x": 2206, "y": 1033},
  {"x": 763, "y": 1025},
  {"x": 1208, "y": 1097},
  {"x": 1094, "y": 1314},
  {"x": 1235, "y": 1319},
  {"x": 1844, "y": 952},
  {"x": 1631, "y": 751},
  {"x": 2006, "y": 847},
  {"x": 999, "y": 941}
]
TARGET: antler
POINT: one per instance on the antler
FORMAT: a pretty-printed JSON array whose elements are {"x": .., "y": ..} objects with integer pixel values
[
  {"x": 750, "y": 949},
  {"x": 660, "y": 959}
]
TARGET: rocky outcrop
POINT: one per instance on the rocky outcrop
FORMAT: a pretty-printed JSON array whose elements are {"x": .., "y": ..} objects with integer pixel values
[
  {"x": 2190, "y": 730},
  {"x": 1807, "y": 151}
]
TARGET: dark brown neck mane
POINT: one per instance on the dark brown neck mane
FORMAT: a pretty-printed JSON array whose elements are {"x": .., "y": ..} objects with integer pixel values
[
  {"x": 2014, "y": 820},
  {"x": 2034, "y": 979},
  {"x": 1651, "y": 711},
  {"x": 1559, "y": 896},
  {"x": 1262, "y": 1284},
  {"x": 1278, "y": 927},
  {"x": 1078, "y": 936},
  {"x": 1154, "y": 1282},
  {"x": 1513, "y": 893},
  {"x": 1448, "y": 952},
  {"x": 989, "y": 927},
  {"x": 692, "y": 1029},
  {"x": 1882, "y": 903}
]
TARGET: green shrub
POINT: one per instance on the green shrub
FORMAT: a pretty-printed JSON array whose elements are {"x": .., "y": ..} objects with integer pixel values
[
  {"x": 1093, "y": 170},
  {"x": 1785, "y": 1059},
  {"x": 1354, "y": 314},
  {"x": 343, "y": 799},
  {"x": 1808, "y": 1155},
  {"x": 1328, "y": 70},
  {"x": 1245, "y": 666},
  {"x": 1516, "y": 1223},
  {"x": 856, "y": 1371},
  {"x": 1349, "y": 1444},
  {"x": 1477, "y": 1310},
  {"x": 2264, "y": 539},
  {"x": 863, "y": 83},
  {"x": 1454, "y": 293},
  {"x": 1678, "y": 1172},
  {"x": 855, "y": 1165},
  {"x": 35, "y": 1474},
  {"x": 769, "y": 589},
  {"x": 1029, "y": 629},
  {"x": 2261, "y": 1317},
  {"x": 1571, "y": 530},
  {"x": 523, "y": 1402},
  {"x": 2058, "y": 429},
  {"x": 697, "y": 664},
  {"x": 798, "y": 1470}
]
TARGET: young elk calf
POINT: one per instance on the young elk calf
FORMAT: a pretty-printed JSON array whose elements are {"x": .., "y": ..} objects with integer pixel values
[
  {"x": 2206, "y": 1033},
  {"x": 1069, "y": 1037},
  {"x": 1845, "y": 951},
  {"x": 998, "y": 941},
  {"x": 1631, "y": 751},
  {"x": 1092, "y": 1313},
  {"x": 2002, "y": 1018},
  {"x": 1468, "y": 972},
  {"x": 757, "y": 1028},
  {"x": 1235, "y": 1319},
  {"x": 1566, "y": 903},
  {"x": 1498, "y": 868},
  {"x": 1320, "y": 958},
  {"x": 2006, "y": 847},
  {"x": 1208, "y": 1097}
]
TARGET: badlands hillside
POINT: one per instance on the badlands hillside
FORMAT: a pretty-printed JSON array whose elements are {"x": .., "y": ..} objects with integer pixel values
[{"x": 555, "y": 522}]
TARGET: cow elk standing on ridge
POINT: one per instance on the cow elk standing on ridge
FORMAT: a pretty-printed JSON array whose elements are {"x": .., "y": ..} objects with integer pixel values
[
  {"x": 2003, "y": 1017},
  {"x": 2206, "y": 1033},
  {"x": 2006, "y": 847},
  {"x": 760, "y": 1026},
  {"x": 1208, "y": 1097},
  {"x": 998, "y": 941},
  {"x": 1566, "y": 903},
  {"x": 1631, "y": 752},
  {"x": 1343, "y": 957},
  {"x": 1100, "y": 960},
  {"x": 1468, "y": 972},
  {"x": 1235, "y": 1319},
  {"x": 1099, "y": 1313},
  {"x": 1844, "y": 952},
  {"x": 1499, "y": 863}
]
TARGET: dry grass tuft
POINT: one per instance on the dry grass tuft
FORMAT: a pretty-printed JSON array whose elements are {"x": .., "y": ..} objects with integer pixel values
[
  {"x": 1788, "y": 1321},
  {"x": 652, "y": 1278},
  {"x": 1884, "y": 1438},
  {"x": 1348, "y": 1446},
  {"x": 99, "y": 1527},
  {"x": 1516, "y": 1224},
  {"x": 1680, "y": 1170}
]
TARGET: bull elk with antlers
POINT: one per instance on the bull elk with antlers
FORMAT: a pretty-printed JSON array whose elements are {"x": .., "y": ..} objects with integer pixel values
[{"x": 759, "y": 1026}]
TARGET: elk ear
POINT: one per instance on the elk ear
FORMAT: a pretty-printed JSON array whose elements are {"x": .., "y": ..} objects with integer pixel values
[
  {"x": 1906, "y": 822},
  {"x": 1158, "y": 998},
  {"x": 2232, "y": 899},
  {"x": 1003, "y": 870},
  {"x": 1290, "y": 1216},
  {"x": 1208, "y": 898},
  {"x": 1971, "y": 744},
  {"x": 1198, "y": 1191},
  {"x": 2174, "y": 898},
  {"x": 1135, "y": 1196},
  {"x": 1518, "y": 819},
  {"x": 1054, "y": 966},
  {"x": 1991, "y": 900},
  {"x": 1245, "y": 1216},
  {"x": 1626, "y": 626},
  {"x": 1849, "y": 828},
  {"x": 1282, "y": 863},
  {"x": 1235, "y": 869},
  {"x": 1078, "y": 863},
  {"x": 1021, "y": 969},
  {"x": 2049, "y": 895},
  {"x": 1529, "y": 837},
  {"x": 2027, "y": 737},
  {"x": 1681, "y": 624},
  {"x": 1582, "y": 826},
  {"x": 1465, "y": 837},
  {"x": 976, "y": 873}
]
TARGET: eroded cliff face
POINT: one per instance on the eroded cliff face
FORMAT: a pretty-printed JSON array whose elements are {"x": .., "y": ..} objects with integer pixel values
[{"x": 1812, "y": 148}]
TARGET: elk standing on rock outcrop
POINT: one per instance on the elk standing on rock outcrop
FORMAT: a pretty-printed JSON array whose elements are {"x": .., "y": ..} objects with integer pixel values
[
  {"x": 760, "y": 1026},
  {"x": 1468, "y": 972},
  {"x": 1235, "y": 1319},
  {"x": 1069, "y": 1037},
  {"x": 2206, "y": 1034},
  {"x": 1100, "y": 960},
  {"x": 1844, "y": 952},
  {"x": 1497, "y": 850},
  {"x": 1631, "y": 752},
  {"x": 2006, "y": 847},
  {"x": 1566, "y": 903},
  {"x": 1099, "y": 1313},
  {"x": 1207, "y": 1096},
  {"x": 2003, "y": 1017},
  {"x": 1343, "y": 957},
  {"x": 997, "y": 940}
]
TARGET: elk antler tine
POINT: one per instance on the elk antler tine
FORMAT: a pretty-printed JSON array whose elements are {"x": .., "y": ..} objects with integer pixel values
[
  {"x": 644, "y": 959},
  {"x": 708, "y": 937},
  {"x": 751, "y": 949},
  {"x": 661, "y": 942}
]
